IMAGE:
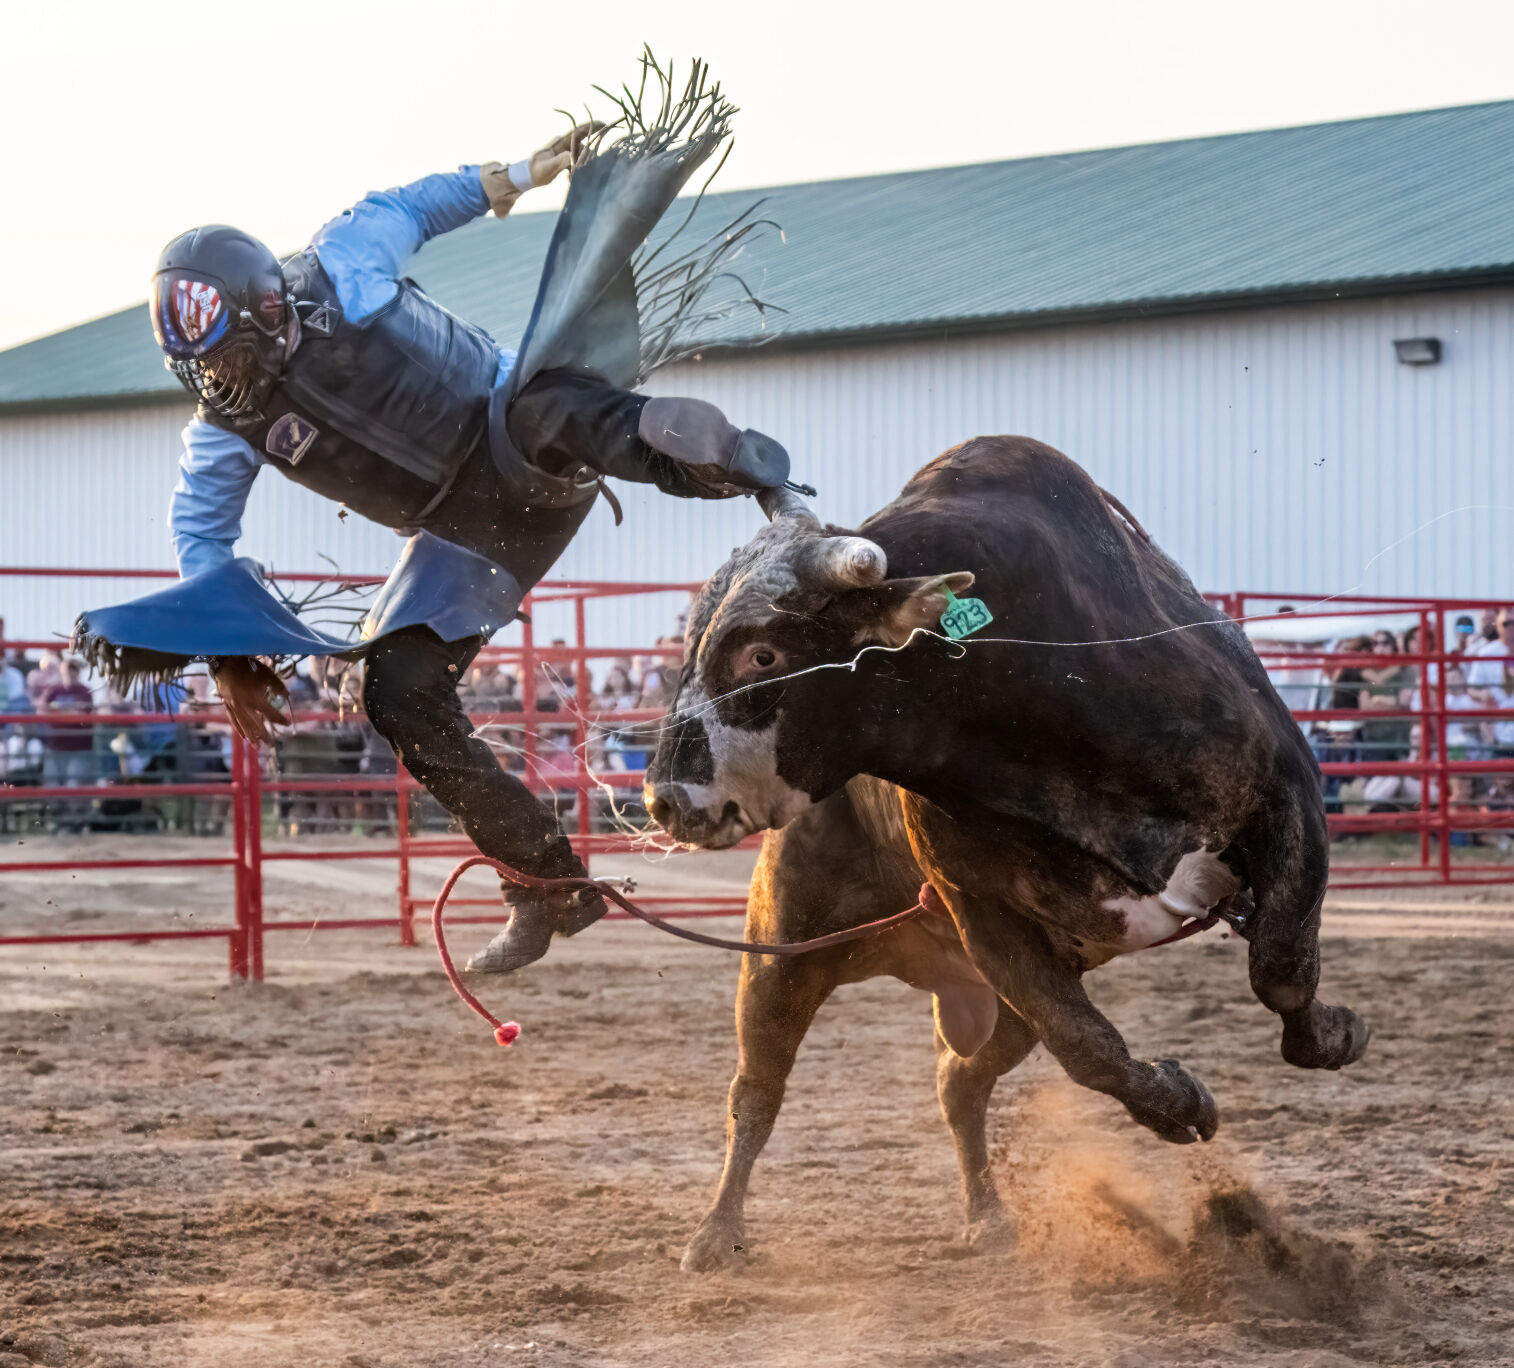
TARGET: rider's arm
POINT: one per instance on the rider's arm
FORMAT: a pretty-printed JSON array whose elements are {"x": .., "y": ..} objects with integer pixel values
[
  {"x": 363, "y": 248},
  {"x": 216, "y": 472}
]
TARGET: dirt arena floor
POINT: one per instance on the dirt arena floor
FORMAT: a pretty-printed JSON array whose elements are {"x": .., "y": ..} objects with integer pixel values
[{"x": 339, "y": 1167}]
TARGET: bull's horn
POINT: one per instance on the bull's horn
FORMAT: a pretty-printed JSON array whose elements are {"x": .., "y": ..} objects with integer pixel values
[
  {"x": 852, "y": 562},
  {"x": 779, "y": 502}
]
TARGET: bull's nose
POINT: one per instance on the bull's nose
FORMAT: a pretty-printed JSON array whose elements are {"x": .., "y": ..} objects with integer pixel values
[{"x": 661, "y": 810}]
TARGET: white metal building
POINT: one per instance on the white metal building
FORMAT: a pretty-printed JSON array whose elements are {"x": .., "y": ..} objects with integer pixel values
[{"x": 1209, "y": 327}]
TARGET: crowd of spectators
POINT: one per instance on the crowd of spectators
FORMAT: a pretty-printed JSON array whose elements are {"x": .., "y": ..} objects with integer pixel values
[
  {"x": 61, "y": 739},
  {"x": 1479, "y": 676},
  {"x": 56, "y": 743}
]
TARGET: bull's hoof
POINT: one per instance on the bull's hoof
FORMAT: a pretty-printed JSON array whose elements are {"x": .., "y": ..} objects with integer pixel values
[
  {"x": 1321, "y": 1037},
  {"x": 1178, "y": 1107},
  {"x": 716, "y": 1245},
  {"x": 992, "y": 1232}
]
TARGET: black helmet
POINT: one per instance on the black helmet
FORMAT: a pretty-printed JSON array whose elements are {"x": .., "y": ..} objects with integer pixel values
[{"x": 222, "y": 314}]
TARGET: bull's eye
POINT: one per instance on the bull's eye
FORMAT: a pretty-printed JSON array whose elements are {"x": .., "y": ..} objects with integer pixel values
[{"x": 757, "y": 659}]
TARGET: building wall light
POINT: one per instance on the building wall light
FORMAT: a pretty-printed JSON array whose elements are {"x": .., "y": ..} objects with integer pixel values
[{"x": 1417, "y": 351}]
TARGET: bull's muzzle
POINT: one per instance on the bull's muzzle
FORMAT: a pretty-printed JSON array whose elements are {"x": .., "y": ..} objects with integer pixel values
[{"x": 692, "y": 822}]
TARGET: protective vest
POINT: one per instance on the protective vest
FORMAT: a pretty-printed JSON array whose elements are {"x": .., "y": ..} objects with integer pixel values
[{"x": 378, "y": 415}]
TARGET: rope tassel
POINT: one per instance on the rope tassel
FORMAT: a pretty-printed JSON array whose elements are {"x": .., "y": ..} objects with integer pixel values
[{"x": 506, "y": 1032}]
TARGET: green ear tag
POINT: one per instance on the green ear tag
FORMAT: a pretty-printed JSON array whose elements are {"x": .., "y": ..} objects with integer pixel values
[{"x": 964, "y": 616}]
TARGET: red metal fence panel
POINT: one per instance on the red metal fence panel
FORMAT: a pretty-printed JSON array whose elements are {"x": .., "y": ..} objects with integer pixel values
[{"x": 1463, "y": 792}]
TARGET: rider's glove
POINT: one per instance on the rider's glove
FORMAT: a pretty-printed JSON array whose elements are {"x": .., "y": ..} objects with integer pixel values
[{"x": 503, "y": 185}]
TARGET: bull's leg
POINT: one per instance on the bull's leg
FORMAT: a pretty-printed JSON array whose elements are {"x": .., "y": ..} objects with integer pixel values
[
  {"x": 775, "y": 1003},
  {"x": 964, "y": 1087},
  {"x": 1288, "y": 864},
  {"x": 1013, "y": 954}
]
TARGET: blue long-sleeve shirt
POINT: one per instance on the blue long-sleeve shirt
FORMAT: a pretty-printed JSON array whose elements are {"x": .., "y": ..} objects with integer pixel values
[{"x": 361, "y": 250}]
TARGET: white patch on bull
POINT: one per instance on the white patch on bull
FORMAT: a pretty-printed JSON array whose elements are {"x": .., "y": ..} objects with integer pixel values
[
  {"x": 1200, "y": 882},
  {"x": 746, "y": 773}
]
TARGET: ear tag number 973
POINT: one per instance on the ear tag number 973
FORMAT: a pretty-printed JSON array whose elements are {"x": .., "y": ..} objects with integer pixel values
[{"x": 964, "y": 616}]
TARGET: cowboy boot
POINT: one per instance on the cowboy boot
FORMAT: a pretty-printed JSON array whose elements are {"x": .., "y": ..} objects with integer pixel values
[
  {"x": 536, "y": 915},
  {"x": 713, "y": 449}
]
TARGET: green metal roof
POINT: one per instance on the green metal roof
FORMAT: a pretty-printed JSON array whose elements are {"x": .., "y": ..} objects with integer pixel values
[{"x": 1365, "y": 206}]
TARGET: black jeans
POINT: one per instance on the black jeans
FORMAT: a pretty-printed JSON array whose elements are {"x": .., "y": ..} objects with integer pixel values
[{"x": 410, "y": 693}]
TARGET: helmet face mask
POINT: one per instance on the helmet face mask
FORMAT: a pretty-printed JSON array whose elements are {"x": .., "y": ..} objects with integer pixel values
[
  {"x": 222, "y": 316},
  {"x": 231, "y": 378}
]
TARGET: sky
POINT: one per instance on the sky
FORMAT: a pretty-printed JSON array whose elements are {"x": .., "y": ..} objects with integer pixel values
[{"x": 126, "y": 123}]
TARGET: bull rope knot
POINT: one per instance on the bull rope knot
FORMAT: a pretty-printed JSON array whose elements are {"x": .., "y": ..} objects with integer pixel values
[{"x": 506, "y": 1032}]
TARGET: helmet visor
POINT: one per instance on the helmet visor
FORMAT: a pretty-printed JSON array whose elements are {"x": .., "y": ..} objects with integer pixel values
[{"x": 189, "y": 316}]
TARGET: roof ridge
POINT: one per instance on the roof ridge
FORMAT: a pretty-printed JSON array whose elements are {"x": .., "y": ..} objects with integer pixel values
[
  {"x": 1273, "y": 130},
  {"x": 1300, "y": 211}
]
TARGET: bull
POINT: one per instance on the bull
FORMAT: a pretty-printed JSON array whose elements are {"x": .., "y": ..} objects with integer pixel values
[{"x": 1106, "y": 762}]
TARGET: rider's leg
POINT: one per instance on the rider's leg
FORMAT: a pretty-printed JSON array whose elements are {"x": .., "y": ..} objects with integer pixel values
[
  {"x": 410, "y": 694},
  {"x": 562, "y": 420}
]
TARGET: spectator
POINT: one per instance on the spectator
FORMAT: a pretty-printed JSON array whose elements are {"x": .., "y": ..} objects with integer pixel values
[
  {"x": 1461, "y": 642},
  {"x": 1488, "y": 629},
  {"x": 508, "y": 742},
  {"x": 13, "y": 687},
  {"x": 549, "y": 690},
  {"x": 486, "y": 688},
  {"x": 1399, "y": 792},
  {"x": 618, "y": 693},
  {"x": 1464, "y": 740},
  {"x": 1335, "y": 741},
  {"x": 658, "y": 685},
  {"x": 474, "y": 690},
  {"x": 158, "y": 746},
  {"x": 1421, "y": 674},
  {"x": 564, "y": 668},
  {"x": 40, "y": 680},
  {"x": 20, "y": 761},
  {"x": 660, "y": 681},
  {"x": 13, "y": 695},
  {"x": 20, "y": 752},
  {"x": 1300, "y": 687},
  {"x": 1347, "y": 681},
  {"x": 1388, "y": 688},
  {"x": 1488, "y": 666},
  {"x": 68, "y": 747},
  {"x": 126, "y": 763},
  {"x": 1490, "y": 684}
]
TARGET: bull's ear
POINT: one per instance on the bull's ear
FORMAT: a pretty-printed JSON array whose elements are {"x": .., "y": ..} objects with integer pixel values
[{"x": 889, "y": 613}]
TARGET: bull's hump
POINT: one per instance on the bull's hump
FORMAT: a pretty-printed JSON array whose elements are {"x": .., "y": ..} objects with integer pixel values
[
  {"x": 1014, "y": 461},
  {"x": 1007, "y": 479}
]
